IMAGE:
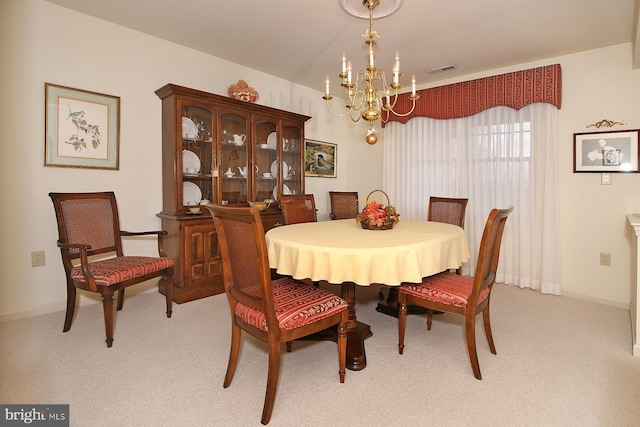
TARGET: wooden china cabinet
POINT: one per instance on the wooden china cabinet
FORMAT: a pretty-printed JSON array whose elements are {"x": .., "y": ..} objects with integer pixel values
[{"x": 226, "y": 151}]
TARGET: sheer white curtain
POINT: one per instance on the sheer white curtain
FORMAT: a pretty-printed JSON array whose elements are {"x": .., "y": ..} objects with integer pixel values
[{"x": 498, "y": 158}]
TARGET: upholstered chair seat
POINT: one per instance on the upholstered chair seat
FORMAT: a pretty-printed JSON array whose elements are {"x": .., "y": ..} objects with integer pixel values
[
  {"x": 115, "y": 270},
  {"x": 450, "y": 289},
  {"x": 296, "y": 304}
]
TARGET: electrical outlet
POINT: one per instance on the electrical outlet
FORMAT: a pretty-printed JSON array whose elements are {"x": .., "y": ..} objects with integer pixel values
[
  {"x": 605, "y": 258},
  {"x": 37, "y": 258}
]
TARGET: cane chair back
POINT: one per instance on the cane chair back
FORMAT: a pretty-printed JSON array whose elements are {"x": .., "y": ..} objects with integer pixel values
[
  {"x": 297, "y": 208},
  {"x": 344, "y": 204},
  {"x": 447, "y": 209}
]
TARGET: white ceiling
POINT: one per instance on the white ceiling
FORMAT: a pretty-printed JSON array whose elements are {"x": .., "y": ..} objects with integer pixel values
[{"x": 302, "y": 40}]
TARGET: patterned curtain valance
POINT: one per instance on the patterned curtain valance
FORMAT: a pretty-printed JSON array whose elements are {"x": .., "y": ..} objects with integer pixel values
[{"x": 515, "y": 90}]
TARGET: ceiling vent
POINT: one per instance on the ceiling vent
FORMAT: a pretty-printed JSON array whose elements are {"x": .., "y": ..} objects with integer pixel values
[{"x": 442, "y": 69}]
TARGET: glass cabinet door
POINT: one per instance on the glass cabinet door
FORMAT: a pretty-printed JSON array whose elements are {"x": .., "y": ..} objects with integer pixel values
[
  {"x": 196, "y": 161},
  {"x": 266, "y": 159},
  {"x": 236, "y": 171},
  {"x": 292, "y": 159}
]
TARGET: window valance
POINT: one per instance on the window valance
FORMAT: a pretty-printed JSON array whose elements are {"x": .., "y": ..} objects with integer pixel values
[{"x": 515, "y": 90}]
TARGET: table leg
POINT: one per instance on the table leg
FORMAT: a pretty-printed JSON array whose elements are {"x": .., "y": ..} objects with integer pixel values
[{"x": 357, "y": 332}]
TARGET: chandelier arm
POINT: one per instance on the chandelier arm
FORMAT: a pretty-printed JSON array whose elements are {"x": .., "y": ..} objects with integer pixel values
[
  {"x": 347, "y": 113},
  {"x": 413, "y": 106}
]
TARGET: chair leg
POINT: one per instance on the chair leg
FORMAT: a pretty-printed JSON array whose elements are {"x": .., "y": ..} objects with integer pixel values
[
  {"x": 71, "y": 306},
  {"x": 168, "y": 290},
  {"x": 236, "y": 333},
  {"x": 342, "y": 349},
  {"x": 272, "y": 381},
  {"x": 402, "y": 321},
  {"x": 487, "y": 329},
  {"x": 289, "y": 346},
  {"x": 120, "y": 299},
  {"x": 107, "y": 305},
  {"x": 470, "y": 331},
  {"x": 429, "y": 319}
]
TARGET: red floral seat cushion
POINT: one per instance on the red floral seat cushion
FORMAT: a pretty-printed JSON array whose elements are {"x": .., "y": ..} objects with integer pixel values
[
  {"x": 446, "y": 288},
  {"x": 296, "y": 304},
  {"x": 116, "y": 270}
]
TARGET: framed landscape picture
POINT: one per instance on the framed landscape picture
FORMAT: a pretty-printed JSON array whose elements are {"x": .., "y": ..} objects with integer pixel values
[
  {"x": 320, "y": 159},
  {"x": 82, "y": 128},
  {"x": 612, "y": 151}
]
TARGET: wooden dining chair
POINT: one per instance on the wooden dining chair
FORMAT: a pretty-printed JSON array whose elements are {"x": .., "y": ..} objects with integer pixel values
[
  {"x": 466, "y": 296},
  {"x": 441, "y": 209},
  {"x": 88, "y": 226},
  {"x": 344, "y": 204},
  {"x": 297, "y": 208},
  {"x": 274, "y": 311},
  {"x": 449, "y": 210}
]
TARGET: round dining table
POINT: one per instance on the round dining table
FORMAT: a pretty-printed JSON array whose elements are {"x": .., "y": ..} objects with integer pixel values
[{"x": 342, "y": 252}]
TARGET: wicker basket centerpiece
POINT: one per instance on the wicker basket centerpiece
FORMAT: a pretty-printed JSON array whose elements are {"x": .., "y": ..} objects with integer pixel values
[{"x": 377, "y": 215}]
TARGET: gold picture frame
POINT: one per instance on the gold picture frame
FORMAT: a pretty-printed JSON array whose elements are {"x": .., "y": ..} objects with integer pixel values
[
  {"x": 320, "y": 159},
  {"x": 82, "y": 128}
]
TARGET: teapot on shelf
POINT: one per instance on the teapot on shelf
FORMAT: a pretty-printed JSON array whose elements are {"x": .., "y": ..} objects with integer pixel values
[
  {"x": 243, "y": 170},
  {"x": 239, "y": 139}
]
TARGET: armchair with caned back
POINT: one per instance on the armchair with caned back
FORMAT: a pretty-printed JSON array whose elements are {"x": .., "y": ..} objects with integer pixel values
[{"x": 90, "y": 242}]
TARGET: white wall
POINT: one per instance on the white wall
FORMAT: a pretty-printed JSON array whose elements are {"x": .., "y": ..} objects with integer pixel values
[{"x": 41, "y": 42}]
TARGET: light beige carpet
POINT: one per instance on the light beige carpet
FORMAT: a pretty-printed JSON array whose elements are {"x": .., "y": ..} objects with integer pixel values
[{"x": 560, "y": 362}]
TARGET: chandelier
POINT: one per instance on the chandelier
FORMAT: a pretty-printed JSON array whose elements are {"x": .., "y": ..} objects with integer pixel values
[{"x": 369, "y": 96}]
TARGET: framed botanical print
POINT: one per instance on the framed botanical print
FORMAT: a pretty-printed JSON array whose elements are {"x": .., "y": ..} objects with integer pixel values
[{"x": 82, "y": 128}]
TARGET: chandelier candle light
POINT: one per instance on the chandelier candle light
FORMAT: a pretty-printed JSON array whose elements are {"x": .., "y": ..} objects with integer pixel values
[{"x": 376, "y": 96}]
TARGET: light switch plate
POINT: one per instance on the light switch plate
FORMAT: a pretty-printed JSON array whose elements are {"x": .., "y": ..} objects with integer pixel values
[{"x": 606, "y": 179}]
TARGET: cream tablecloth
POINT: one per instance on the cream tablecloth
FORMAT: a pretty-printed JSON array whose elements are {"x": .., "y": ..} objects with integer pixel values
[{"x": 341, "y": 251}]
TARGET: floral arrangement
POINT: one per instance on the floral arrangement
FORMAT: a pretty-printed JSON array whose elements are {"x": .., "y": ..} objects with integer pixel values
[
  {"x": 243, "y": 92},
  {"x": 378, "y": 216}
]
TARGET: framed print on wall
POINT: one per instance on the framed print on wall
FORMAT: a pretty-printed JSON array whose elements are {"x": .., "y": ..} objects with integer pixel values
[
  {"x": 612, "y": 151},
  {"x": 320, "y": 159},
  {"x": 82, "y": 128}
]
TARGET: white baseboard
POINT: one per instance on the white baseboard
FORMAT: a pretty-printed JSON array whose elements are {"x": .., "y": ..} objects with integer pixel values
[
  {"x": 33, "y": 312},
  {"x": 619, "y": 304},
  {"x": 83, "y": 298}
]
